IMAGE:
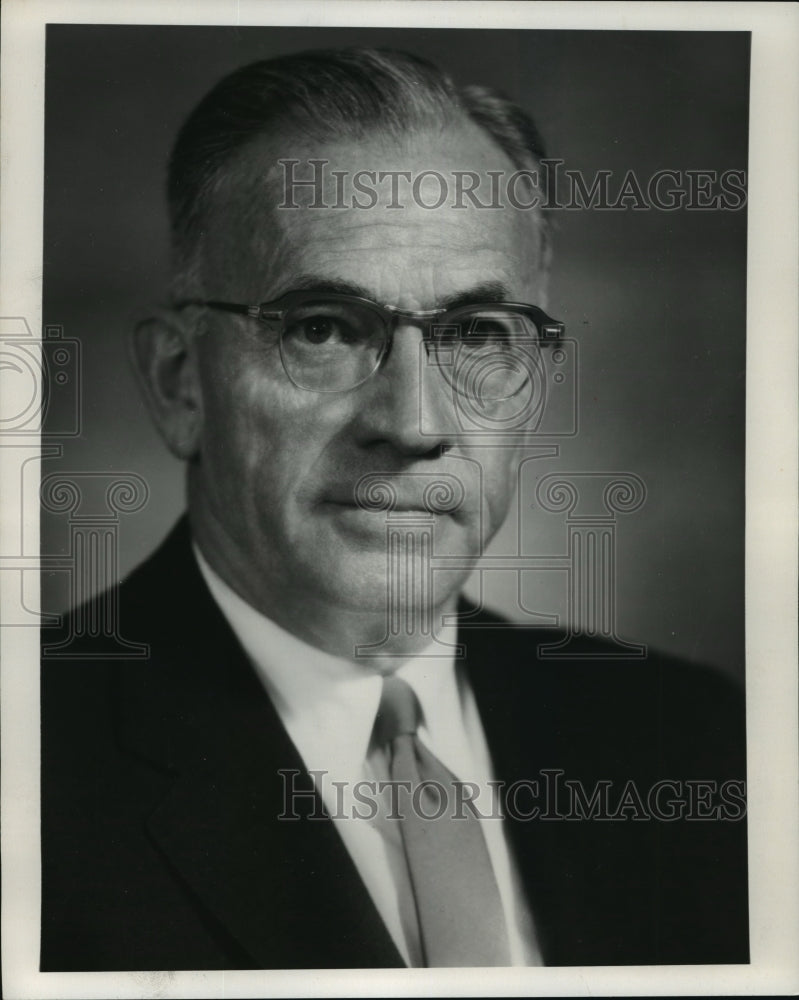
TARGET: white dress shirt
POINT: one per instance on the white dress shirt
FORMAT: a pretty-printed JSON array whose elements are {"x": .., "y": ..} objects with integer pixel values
[{"x": 328, "y": 706}]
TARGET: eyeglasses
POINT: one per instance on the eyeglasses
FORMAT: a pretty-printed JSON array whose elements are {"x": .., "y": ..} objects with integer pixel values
[{"x": 334, "y": 343}]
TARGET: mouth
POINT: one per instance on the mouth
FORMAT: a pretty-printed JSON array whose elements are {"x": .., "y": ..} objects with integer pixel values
[
  {"x": 395, "y": 506},
  {"x": 409, "y": 493}
]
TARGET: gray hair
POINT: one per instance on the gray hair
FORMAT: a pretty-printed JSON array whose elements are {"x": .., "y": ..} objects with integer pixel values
[{"x": 325, "y": 93}]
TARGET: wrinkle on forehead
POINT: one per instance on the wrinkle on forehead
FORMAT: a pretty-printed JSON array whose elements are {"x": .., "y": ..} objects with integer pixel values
[{"x": 253, "y": 247}]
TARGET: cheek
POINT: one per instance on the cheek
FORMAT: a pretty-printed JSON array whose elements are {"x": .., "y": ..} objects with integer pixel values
[
  {"x": 234, "y": 419},
  {"x": 261, "y": 434},
  {"x": 238, "y": 434},
  {"x": 500, "y": 485}
]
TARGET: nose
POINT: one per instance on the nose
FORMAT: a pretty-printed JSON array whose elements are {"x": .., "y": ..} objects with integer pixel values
[{"x": 408, "y": 404}]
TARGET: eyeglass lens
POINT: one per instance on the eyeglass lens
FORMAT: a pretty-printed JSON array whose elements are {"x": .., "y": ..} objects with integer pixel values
[{"x": 488, "y": 354}]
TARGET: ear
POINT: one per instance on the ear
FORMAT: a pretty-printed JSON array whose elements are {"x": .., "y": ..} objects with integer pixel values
[{"x": 165, "y": 360}]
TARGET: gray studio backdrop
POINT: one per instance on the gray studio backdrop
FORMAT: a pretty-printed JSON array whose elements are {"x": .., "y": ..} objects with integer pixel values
[{"x": 656, "y": 299}]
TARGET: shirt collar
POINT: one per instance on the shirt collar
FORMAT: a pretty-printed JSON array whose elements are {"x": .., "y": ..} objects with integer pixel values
[{"x": 328, "y": 703}]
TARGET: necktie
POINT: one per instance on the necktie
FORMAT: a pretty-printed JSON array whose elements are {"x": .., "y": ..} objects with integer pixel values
[{"x": 457, "y": 899}]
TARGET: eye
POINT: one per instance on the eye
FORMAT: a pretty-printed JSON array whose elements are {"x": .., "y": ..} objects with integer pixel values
[
  {"x": 485, "y": 329},
  {"x": 493, "y": 330},
  {"x": 318, "y": 329}
]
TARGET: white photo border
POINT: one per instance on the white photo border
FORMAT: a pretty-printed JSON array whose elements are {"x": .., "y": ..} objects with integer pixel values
[{"x": 771, "y": 521}]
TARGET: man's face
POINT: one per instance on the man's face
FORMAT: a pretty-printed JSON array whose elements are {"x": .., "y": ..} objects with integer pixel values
[{"x": 274, "y": 483}]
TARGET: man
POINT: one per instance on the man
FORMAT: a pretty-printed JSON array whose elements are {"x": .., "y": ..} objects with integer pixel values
[{"x": 334, "y": 340}]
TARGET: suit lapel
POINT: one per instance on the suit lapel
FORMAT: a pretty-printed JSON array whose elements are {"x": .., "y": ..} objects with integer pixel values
[
  {"x": 285, "y": 889},
  {"x": 517, "y": 697},
  {"x": 592, "y": 884}
]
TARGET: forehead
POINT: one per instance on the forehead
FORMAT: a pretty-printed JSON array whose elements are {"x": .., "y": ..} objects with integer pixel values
[{"x": 387, "y": 213}]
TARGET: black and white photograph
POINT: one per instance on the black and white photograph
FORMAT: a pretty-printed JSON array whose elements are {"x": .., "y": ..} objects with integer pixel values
[{"x": 383, "y": 453}]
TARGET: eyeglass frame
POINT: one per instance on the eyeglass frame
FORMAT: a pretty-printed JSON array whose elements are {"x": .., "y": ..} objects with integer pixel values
[{"x": 550, "y": 331}]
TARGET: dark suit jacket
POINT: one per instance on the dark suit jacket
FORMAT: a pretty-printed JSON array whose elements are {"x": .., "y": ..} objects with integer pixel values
[{"x": 162, "y": 848}]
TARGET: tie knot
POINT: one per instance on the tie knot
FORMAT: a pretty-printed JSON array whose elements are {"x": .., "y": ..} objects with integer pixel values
[{"x": 398, "y": 712}]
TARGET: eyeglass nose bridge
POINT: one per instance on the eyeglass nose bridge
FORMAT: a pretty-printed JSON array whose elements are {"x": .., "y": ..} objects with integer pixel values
[
  {"x": 414, "y": 314},
  {"x": 424, "y": 318}
]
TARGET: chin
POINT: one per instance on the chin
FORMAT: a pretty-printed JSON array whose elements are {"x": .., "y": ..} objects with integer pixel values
[
  {"x": 358, "y": 582},
  {"x": 371, "y": 585},
  {"x": 348, "y": 562}
]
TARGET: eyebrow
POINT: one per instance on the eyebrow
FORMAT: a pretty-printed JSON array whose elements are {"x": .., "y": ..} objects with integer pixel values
[{"x": 484, "y": 291}]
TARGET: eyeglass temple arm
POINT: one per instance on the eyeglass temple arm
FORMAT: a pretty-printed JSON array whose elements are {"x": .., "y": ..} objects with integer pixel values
[
  {"x": 234, "y": 307},
  {"x": 254, "y": 312}
]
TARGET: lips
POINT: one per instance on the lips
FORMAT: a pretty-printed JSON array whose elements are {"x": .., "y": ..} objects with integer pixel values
[
  {"x": 411, "y": 492},
  {"x": 378, "y": 504},
  {"x": 375, "y": 508}
]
